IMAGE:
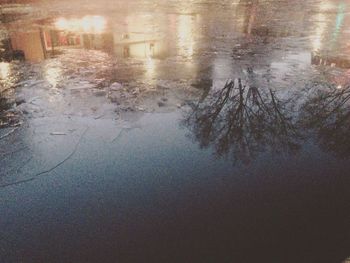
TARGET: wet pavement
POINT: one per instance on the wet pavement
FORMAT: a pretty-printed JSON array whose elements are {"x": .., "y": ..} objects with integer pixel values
[{"x": 175, "y": 131}]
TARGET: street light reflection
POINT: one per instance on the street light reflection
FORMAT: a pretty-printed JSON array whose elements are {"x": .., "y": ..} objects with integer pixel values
[
  {"x": 52, "y": 75},
  {"x": 150, "y": 70},
  {"x": 185, "y": 36},
  {"x": 326, "y": 6},
  {"x": 4, "y": 70},
  {"x": 319, "y": 33}
]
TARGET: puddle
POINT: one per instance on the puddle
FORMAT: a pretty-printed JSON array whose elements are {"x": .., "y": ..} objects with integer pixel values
[{"x": 197, "y": 116}]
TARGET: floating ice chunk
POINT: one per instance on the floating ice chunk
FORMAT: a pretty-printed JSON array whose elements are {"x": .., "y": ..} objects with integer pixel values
[{"x": 116, "y": 86}]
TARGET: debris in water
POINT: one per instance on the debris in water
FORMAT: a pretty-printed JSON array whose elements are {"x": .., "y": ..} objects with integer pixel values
[
  {"x": 116, "y": 86},
  {"x": 161, "y": 104},
  {"x": 99, "y": 117},
  {"x": 58, "y": 133}
]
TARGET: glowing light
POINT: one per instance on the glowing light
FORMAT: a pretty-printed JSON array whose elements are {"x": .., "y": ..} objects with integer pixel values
[
  {"x": 150, "y": 68},
  {"x": 62, "y": 24},
  {"x": 93, "y": 23},
  {"x": 185, "y": 35},
  {"x": 150, "y": 64},
  {"x": 326, "y": 6},
  {"x": 320, "y": 29},
  {"x": 53, "y": 75},
  {"x": 87, "y": 24},
  {"x": 4, "y": 70},
  {"x": 339, "y": 87}
]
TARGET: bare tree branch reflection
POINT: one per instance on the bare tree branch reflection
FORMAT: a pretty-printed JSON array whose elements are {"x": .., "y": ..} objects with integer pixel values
[
  {"x": 328, "y": 113},
  {"x": 243, "y": 120}
]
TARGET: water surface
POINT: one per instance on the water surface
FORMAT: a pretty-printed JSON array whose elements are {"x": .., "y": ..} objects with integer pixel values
[{"x": 174, "y": 131}]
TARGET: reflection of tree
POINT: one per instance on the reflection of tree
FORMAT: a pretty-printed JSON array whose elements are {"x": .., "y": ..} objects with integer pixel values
[
  {"x": 243, "y": 120},
  {"x": 328, "y": 113}
]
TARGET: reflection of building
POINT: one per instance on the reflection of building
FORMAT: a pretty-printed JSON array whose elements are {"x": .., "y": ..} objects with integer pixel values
[
  {"x": 98, "y": 41},
  {"x": 138, "y": 36},
  {"x": 31, "y": 43},
  {"x": 339, "y": 80},
  {"x": 39, "y": 44},
  {"x": 139, "y": 49},
  {"x": 134, "y": 36},
  {"x": 48, "y": 39},
  {"x": 333, "y": 61},
  {"x": 258, "y": 18}
]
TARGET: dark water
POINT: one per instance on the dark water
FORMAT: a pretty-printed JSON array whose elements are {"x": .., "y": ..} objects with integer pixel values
[{"x": 175, "y": 131}]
